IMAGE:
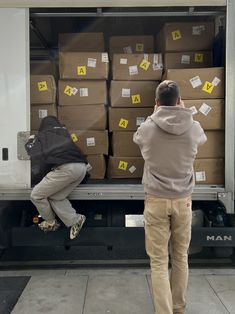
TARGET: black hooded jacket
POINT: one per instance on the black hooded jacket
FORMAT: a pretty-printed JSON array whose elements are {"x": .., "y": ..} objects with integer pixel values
[{"x": 51, "y": 147}]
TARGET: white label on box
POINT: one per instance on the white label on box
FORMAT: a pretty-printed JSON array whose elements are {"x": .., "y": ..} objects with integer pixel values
[
  {"x": 133, "y": 70},
  {"x": 195, "y": 81},
  {"x": 127, "y": 49},
  {"x": 83, "y": 92},
  {"x": 193, "y": 109},
  {"x": 123, "y": 61},
  {"x": 185, "y": 59},
  {"x": 146, "y": 56},
  {"x": 105, "y": 57},
  {"x": 42, "y": 113},
  {"x": 132, "y": 169},
  {"x": 126, "y": 92},
  {"x": 215, "y": 81},
  {"x": 200, "y": 176},
  {"x": 74, "y": 91},
  {"x": 205, "y": 109},
  {"x": 91, "y": 63},
  {"x": 90, "y": 141},
  {"x": 197, "y": 30},
  {"x": 139, "y": 120},
  {"x": 157, "y": 61}
]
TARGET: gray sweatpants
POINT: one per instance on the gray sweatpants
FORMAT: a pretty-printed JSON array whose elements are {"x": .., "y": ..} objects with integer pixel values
[{"x": 49, "y": 195}]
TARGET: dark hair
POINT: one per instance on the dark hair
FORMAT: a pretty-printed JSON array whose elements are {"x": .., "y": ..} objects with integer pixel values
[{"x": 167, "y": 93}]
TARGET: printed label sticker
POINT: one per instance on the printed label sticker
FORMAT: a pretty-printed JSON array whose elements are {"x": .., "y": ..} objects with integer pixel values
[
  {"x": 81, "y": 70},
  {"x": 90, "y": 141},
  {"x": 215, "y": 81},
  {"x": 105, "y": 57},
  {"x": 200, "y": 176},
  {"x": 139, "y": 120},
  {"x": 91, "y": 62},
  {"x": 42, "y": 86},
  {"x": 133, "y": 70},
  {"x": 42, "y": 113},
  {"x": 139, "y": 47},
  {"x": 144, "y": 64},
  {"x": 83, "y": 92},
  {"x": 135, "y": 99},
  {"x": 208, "y": 87},
  {"x": 198, "y": 57},
  {"x": 197, "y": 30},
  {"x": 194, "y": 110},
  {"x": 123, "y": 61},
  {"x": 123, "y": 123},
  {"x": 74, "y": 91},
  {"x": 68, "y": 90},
  {"x": 126, "y": 92},
  {"x": 74, "y": 137},
  {"x": 132, "y": 169},
  {"x": 205, "y": 109},
  {"x": 122, "y": 165},
  {"x": 176, "y": 35},
  {"x": 195, "y": 81},
  {"x": 146, "y": 56},
  {"x": 127, "y": 49},
  {"x": 185, "y": 59}
]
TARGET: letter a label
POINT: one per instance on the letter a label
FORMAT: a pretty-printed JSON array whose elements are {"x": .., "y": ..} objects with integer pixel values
[
  {"x": 135, "y": 99},
  {"x": 144, "y": 64},
  {"x": 122, "y": 165},
  {"x": 74, "y": 137},
  {"x": 81, "y": 70},
  {"x": 42, "y": 86},
  {"x": 208, "y": 87},
  {"x": 123, "y": 123},
  {"x": 176, "y": 35}
]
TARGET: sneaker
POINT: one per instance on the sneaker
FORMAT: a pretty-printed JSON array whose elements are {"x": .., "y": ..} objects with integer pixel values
[
  {"x": 51, "y": 225},
  {"x": 76, "y": 228}
]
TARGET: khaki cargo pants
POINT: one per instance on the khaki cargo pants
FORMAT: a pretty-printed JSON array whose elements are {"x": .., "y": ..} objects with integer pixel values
[{"x": 168, "y": 220}]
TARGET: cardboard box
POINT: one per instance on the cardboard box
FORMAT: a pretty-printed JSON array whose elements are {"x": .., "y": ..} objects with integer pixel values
[
  {"x": 92, "y": 117},
  {"x": 131, "y": 44},
  {"x": 209, "y": 112},
  {"x": 41, "y": 67},
  {"x": 98, "y": 166},
  {"x": 186, "y": 60},
  {"x": 125, "y": 167},
  {"x": 38, "y": 112},
  {"x": 42, "y": 89},
  {"x": 137, "y": 67},
  {"x": 201, "y": 83},
  {"x": 133, "y": 94},
  {"x": 214, "y": 147},
  {"x": 84, "y": 65},
  {"x": 209, "y": 171},
  {"x": 91, "y": 142},
  {"x": 82, "y": 92},
  {"x": 82, "y": 42},
  {"x": 127, "y": 119},
  {"x": 186, "y": 36},
  {"x": 123, "y": 145}
]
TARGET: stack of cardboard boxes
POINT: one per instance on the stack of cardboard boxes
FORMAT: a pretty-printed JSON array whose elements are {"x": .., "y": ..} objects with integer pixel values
[
  {"x": 82, "y": 92},
  {"x": 187, "y": 57},
  {"x": 136, "y": 71}
]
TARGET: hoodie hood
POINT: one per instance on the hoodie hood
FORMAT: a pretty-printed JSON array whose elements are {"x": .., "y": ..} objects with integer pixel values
[
  {"x": 49, "y": 123},
  {"x": 173, "y": 120}
]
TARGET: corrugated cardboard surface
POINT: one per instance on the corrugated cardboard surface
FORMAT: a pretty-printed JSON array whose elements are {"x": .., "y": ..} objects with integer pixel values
[
  {"x": 186, "y": 36},
  {"x": 131, "y": 44},
  {"x": 123, "y": 145},
  {"x": 42, "y": 89},
  {"x": 83, "y": 65},
  {"x": 38, "y": 112},
  {"x": 209, "y": 171},
  {"x": 82, "y": 42},
  {"x": 41, "y": 67},
  {"x": 214, "y": 147},
  {"x": 87, "y": 92},
  {"x": 186, "y": 60},
  {"x": 206, "y": 76},
  {"x": 211, "y": 119},
  {"x": 98, "y": 166},
  {"x": 125, "y": 167},
  {"x": 127, "y": 119},
  {"x": 132, "y": 94},
  {"x": 91, "y": 142},
  {"x": 137, "y": 67},
  {"x": 92, "y": 117}
]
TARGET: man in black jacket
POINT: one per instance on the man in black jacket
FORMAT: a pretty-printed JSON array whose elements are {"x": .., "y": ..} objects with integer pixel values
[{"x": 59, "y": 166}]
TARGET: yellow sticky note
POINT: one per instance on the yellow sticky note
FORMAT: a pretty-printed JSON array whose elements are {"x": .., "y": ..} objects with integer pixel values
[
  {"x": 208, "y": 87},
  {"x": 74, "y": 137},
  {"x": 81, "y": 70},
  {"x": 135, "y": 99},
  {"x": 123, "y": 123},
  {"x": 144, "y": 64},
  {"x": 139, "y": 47},
  {"x": 198, "y": 57},
  {"x": 176, "y": 35},
  {"x": 122, "y": 165},
  {"x": 68, "y": 90},
  {"x": 42, "y": 86}
]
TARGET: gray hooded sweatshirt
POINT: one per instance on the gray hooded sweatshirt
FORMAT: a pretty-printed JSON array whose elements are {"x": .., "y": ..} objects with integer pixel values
[{"x": 168, "y": 141}]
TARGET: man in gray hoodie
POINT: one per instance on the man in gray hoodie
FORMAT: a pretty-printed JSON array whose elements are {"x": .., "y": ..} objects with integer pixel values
[{"x": 168, "y": 140}]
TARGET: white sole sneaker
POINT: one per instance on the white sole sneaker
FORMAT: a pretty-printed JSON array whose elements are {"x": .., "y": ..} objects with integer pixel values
[
  {"x": 49, "y": 226},
  {"x": 76, "y": 228}
]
